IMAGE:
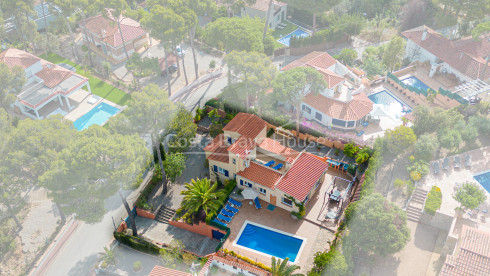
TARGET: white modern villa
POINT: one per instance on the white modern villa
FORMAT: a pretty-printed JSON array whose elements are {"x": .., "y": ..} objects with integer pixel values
[
  {"x": 260, "y": 9},
  {"x": 48, "y": 86}
]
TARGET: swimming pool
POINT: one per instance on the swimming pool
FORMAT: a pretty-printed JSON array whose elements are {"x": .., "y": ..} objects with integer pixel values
[
  {"x": 269, "y": 241},
  {"x": 484, "y": 180},
  {"x": 396, "y": 107},
  {"x": 97, "y": 115},
  {"x": 413, "y": 81},
  {"x": 298, "y": 33}
]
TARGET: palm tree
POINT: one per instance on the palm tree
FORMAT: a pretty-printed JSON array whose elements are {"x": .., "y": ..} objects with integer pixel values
[
  {"x": 109, "y": 255},
  {"x": 279, "y": 268},
  {"x": 201, "y": 196}
]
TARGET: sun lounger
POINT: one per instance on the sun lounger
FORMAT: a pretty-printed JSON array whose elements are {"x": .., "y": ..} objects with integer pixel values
[
  {"x": 230, "y": 209},
  {"x": 238, "y": 204},
  {"x": 220, "y": 222},
  {"x": 360, "y": 133},
  {"x": 278, "y": 166},
  {"x": 457, "y": 162},
  {"x": 445, "y": 164},
  {"x": 435, "y": 167},
  {"x": 257, "y": 203},
  {"x": 223, "y": 218},
  {"x": 270, "y": 163},
  {"x": 226, "y": 213},
  {"x": 467, "y": 161}
]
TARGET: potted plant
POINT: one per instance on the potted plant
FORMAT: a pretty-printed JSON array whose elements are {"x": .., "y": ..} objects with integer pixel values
[{"x": 137, "y": 266}]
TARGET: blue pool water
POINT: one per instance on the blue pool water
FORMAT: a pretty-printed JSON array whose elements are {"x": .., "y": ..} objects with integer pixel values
[
  {"x": 298, "y": 33},
  {"x": 270, "y": 242},
  {"x": 484, "y": 180},
  {"x": 413, "y": 81},
  {"x": 98, "y": 116},
  {"x": 396, "y": 107}
]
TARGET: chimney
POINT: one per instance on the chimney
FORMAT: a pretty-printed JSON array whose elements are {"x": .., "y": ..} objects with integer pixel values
[
  {"x": 460, "y": 55},
  {"x": 103, "y": 33},
  {"x": 349, "y": 94},
  {"x": 424, "y": 34}
]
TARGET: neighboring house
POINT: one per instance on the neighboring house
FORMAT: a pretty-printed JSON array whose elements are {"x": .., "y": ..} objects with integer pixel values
[
  {"x": 471, "y": 255},
  {"x": 260, "y": 9},
  {"x": 464, "y": 57},
  {"x": 50, "y": 13},
  {"x": 342, "y": 105},
  {"x": 47, "y": 84},
  {"x": 103, "y": 35},
  {"x": 242, "y": 151}
]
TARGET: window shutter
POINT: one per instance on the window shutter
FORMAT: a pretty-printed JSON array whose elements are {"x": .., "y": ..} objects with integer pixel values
[
  {"x": 226, "y": 173},
  {"x": 215, "y": 168},
  {"x": 241, "y": 182}
]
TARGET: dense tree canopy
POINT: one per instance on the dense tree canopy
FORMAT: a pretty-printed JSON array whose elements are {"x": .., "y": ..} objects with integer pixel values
[
  {"x": 470, "y": 195},
  {"x": 400, "y": 139},
  {"x": 12, "y": 81}
]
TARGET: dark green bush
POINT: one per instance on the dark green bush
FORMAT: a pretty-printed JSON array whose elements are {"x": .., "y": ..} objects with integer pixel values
[
  {"x": 270, "y": 132},
  {"x": 434, "y": 201},
  {"x": 137, "y": 243}
]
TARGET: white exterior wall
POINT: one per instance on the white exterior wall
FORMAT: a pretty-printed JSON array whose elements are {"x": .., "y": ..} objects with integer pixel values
[
  {"x": 273, "y": 20},
  {"x": 229, "y": 268},
  {"x": 326, "y": 120},
  {"x": 256, "y": 186}
]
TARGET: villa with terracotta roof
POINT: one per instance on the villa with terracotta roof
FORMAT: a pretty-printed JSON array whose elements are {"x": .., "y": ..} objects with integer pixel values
[
  {"x": 243, "y": 151},
  {"x": 260, "y": 7},
  {"x": 46, "y": 83},
  {"x": 465, "y": 57},
  {"x": 103, "y": 36},
  {"x": 342, "y": 105},
  {"x": 471, "y": 256}
]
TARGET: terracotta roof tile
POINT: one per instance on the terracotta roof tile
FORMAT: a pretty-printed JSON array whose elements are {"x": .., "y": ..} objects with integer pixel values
[
  {"x": 219, "y": 149},
  {"x": 260, "y": 174},
  {"x": 246, "y": 124},
  {"x": 54, "y": 75},
  {"x": 243, "y": 146},
  {"x": 302, "y": 176},
  {"x": 464, "y": 56},
  {"x": 314, "y": 59},
  {"x": 274, "y": 146},
  {"x": 242, "y": 265},
  {"x": 217, "y": 142},
  {"x": 107, "y": 29},
  {"x": 472, "y": 256},
  {"x": 15, "y": 57},
  {"x": 163, "y": 271},
  {"x": 357, "y": 108},
  {"x": 330, "y": 77}
]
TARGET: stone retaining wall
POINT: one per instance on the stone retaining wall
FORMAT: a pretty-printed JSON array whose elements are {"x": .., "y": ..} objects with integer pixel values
[{"x": 439, "y": 220}]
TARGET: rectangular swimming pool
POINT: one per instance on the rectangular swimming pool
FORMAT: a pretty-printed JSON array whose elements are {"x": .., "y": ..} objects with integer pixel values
[
  {"x": 394, "y": 106},
  {"x": 269, "y": 241},
  {"x": 97, "y": 115},
  {"x": 413, "y": 81},
  {"x": 298, "y": 33},
  {"x": 484, "y": 180}
]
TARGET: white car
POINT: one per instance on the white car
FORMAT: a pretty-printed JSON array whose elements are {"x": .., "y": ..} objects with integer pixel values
[{"x": 180, "y": 51}]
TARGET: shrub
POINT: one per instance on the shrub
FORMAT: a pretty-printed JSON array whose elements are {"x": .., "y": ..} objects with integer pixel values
[
  {"x": 415, "y": 176},
  {"x": 215, "y": 129},
  {"x": 434, "y": 200},
  {"x": 243, "y": 258},
  {"x": 212, "y": 64},
  {"x": 137, "y": 243},
  {"x": 197, "y": 118},
  {"x": 399, "y": 183},
  {"x": 421, "y": 167},
  {"x": 270, "y": 132},
  {"x": 188, "y": 258},
  {"x": 137, "y": 266},
  {"x": 350, "y": 149}
]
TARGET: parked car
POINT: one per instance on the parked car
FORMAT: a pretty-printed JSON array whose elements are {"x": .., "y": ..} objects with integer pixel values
[
  {"x": 171, "y": 69},
  {"x": 180, "y": 51}
]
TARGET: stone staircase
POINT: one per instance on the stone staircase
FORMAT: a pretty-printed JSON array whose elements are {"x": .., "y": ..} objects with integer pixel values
[
  {"x": 416, "y": 205},
  {"x": 164, "y": 214}
]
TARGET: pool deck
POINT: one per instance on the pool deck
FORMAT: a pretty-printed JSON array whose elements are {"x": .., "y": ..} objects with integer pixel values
[
  {"x": 81, "y": 97},
  {"x": 313, "y": 227}
]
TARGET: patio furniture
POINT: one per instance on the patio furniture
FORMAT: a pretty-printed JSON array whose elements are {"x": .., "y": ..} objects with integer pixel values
[
  {"x": 249, "y": 193},
  {"x": 234, "y": 202},
  {"x": 335, "y": 195},
  {"x": 365, "y": 124},
  {"x": 435, "y": 167},
  {"x": 257, "y": 203},
  {"x": 457, "y": 162},
  {"x": 331, "y": 215},
  {"x": 360, "y": 133},
  {"x": 467, "y": 161},
  {"x": 270, "y": 163},
  {"x": 230, "y": 209},
  {"x": 224, "y": 219},
  {"x": 278, "y": 166},
  {"x": 445, "y": 164},
  {"x": 220, "y": 223},
  {"x": 226, "y": 213}
]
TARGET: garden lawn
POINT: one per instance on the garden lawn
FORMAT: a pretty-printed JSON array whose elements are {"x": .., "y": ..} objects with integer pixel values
[
  {"x": 277, "y": 33},
  {"x": 98, "y": 86}
]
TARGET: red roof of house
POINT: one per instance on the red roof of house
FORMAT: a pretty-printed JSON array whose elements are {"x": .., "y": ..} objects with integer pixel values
[
  {"x": 260, "y": 174},
  {"x": 15, "y": 57},
  {"x": 330, "y": 77},
  {"x": 242, "y": 265},
  {"x": 473, "y": 255},
  {"x": 163, "y": 271},
  {"x": 314, "y": 59},
  {"x": 54, "y": 75},
  {"x": 468, "y": 57},
  {"x": 107, "y": 29},
  {"x": 243, "y": 146},
  {"x": 246, "y": 124},
  {"x": 274, "y": 146},
  {"x": 304, "y": 173},
  {"x": 357, "y": 108},
  {"x": 219, "y": 149}
]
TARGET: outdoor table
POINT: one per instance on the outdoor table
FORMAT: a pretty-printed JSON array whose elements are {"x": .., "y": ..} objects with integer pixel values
[
  {"x": 335, "y": 195},
  {"x": 331, "y": 215}
]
